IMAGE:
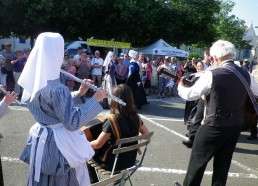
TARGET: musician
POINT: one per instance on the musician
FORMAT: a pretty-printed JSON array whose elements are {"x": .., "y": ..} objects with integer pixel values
[
  {"x": 7, "y": 100},
  {"x": 225, "y": 98},
  {"x": 129, "y": 124},
  {"x": 56, "y": 149},
  {"x": 196, "y": 113},
  {"x": 134, "y": 81}
]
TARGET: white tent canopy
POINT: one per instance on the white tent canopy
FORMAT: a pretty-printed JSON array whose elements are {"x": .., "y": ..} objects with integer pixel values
[{"x": 162, "y": 48}]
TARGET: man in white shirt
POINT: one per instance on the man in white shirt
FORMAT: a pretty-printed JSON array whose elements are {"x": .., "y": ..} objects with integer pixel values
[
  {"x": 225, "y": 97},
  {"x": 97, "y": 64},
  {"x": 78, "y": 56}
]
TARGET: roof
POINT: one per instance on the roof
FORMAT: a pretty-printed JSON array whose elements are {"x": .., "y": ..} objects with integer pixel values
[{"x": 161, "y": 47}]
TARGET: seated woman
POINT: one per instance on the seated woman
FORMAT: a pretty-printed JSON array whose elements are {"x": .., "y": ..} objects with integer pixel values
[{"x": 130, "y": 125}]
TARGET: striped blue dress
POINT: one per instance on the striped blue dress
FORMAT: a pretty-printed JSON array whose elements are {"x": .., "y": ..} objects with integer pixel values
[
  {"x": 55, "y": 104},
  {"x": 3, "y": 109}
]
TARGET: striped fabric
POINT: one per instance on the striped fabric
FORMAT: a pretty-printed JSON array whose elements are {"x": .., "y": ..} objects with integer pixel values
[
  {"x": 3, "y": 109},
  {"x": 54, "y": 104}
]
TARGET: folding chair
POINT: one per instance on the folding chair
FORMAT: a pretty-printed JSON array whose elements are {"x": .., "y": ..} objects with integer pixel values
[
  {"x": 143, "y": 141},
  {"x": 112, "y": 180}
]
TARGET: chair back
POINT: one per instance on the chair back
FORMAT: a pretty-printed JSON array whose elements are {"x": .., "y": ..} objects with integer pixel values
[
  {"x": 112, "y": 180},
  {"x": 143, "y": 141}
]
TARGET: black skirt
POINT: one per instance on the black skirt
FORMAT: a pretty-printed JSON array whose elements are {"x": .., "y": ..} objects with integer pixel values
[{"x": 147, "y": 83}]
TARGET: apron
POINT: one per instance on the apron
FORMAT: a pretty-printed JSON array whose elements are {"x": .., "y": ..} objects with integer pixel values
[{"x": 72, "y": 144}]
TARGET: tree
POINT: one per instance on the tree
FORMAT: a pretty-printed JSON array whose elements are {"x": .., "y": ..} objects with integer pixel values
[
  {"x": 198, "y": 22},
  {"x": 229, "y": 27}
]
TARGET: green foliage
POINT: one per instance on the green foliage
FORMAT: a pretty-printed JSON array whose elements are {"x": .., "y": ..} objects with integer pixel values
[
  {"x": 229, "y": 27},
  {"x": 195, "y": 54},
  {"x": 141, "y": 22}
]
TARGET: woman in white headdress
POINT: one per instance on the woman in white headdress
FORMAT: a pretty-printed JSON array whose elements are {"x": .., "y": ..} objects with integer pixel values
[
  {"x": 134, "y": 81},
  {"x": 109, "y": 81},
  {"x": 56, "y": 148}
]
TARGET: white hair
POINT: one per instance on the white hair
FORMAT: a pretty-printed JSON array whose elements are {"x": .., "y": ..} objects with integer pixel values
[{"x": 223, "y": 48}]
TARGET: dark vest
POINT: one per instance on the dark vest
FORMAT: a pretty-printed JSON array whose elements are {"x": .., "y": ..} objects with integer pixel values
[{"x": 226, "y": 101}]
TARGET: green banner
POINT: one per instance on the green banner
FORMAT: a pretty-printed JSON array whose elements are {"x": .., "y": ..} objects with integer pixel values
[{"x": 109, "y": 44}]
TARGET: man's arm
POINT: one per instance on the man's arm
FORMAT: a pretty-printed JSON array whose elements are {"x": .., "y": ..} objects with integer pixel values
[{"x": 201, "y": 87}]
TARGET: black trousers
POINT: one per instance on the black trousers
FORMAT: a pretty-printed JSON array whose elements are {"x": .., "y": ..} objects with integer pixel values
[
  {"x": 197, "y": 119},
  {"x": 254, "y": 131},
  {"x": 1, "y": 174},
  {"x": 217, "y": 142}
]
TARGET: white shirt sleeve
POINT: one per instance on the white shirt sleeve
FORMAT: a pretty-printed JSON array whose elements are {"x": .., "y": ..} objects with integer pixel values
[
  {"x": 254, "y": 86},
  {"x": 201, "y": 87}
]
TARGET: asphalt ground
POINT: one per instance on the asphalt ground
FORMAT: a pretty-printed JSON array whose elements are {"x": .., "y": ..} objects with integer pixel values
[{"x": 166, "y": 160}]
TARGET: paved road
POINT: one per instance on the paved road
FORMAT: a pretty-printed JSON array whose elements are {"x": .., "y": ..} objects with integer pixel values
[{"x": 166, "y": 159}]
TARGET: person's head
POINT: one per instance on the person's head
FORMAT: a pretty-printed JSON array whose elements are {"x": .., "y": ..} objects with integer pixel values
[
  {"x": 84, "y": 55},
  {"x": 207, "y": 57},
  {"x": 154, "y": 63},
  {"x": 18, "y": 53},
  {"x": 123, "y": 92},
  {"x": 133, "y": 54},
  {"x": 141, "y": 56},
  {"x": 71, "y": 62},
  {"x": 97, "y": 54},
  {"x": 8, "y": 46},
  {"x": 43, "y": 64},
  {"x": 222, "y": 50},
  {"x": 166, "y": 61},
  {"x": 126, "y": 57},
  {"x": 66, "y": 56},
  {"x": 194, "y": 61},
  {"x": 245, "y": 62},
  {"x": 173, "y": 60},
  {"x": 120, "y": 60},
  {"x": 79, "y": 50},
  {"x": 199, "y": 66}
]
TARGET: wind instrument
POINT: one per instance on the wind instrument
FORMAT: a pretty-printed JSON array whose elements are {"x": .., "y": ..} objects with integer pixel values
[
  {"x": 4, "y": 91},
  {"x": 93, "y": 87}
]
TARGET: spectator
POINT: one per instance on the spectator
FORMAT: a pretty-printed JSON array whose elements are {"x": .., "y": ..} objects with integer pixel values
[
  {"x": 97, "y": 64},
  {"x": 78, "y": 56},
  {"x": 148, "y": 70},
  {"x": 245, "y": 65},
  {"x": 163, "y": 79},
  {"x": 18, "y": 64},
  {"x": 121, "y": 72},
  {"x": 126, "y": 63},
  {"x": 3, "y": 72},
  {"x": 154, "y": 76},
  {"x": 84, "y": 67},
  {"x": 9, "y": 56},
  {"x": 72, "y": 70}
]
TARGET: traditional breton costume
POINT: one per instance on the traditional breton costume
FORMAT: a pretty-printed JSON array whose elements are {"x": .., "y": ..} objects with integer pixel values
[
  {"x": 3, "y": 111},
  {"x": 109, "y": 81},
  {"x": 225, "y": 98},
  {"x": 56, "y": 147},
  {"x": 134, "y": 81}
]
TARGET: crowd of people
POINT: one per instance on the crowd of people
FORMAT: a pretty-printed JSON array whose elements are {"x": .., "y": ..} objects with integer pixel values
[{"x": 213, "y": 112}]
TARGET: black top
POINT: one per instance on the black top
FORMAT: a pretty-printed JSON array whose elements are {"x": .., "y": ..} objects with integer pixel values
[
  {"x": 128, "y": 128},
  {"x": 227, "y": 98}
]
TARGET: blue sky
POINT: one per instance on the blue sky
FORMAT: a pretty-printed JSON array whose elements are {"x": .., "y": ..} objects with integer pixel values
[{"x": 247, "y": 10}]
